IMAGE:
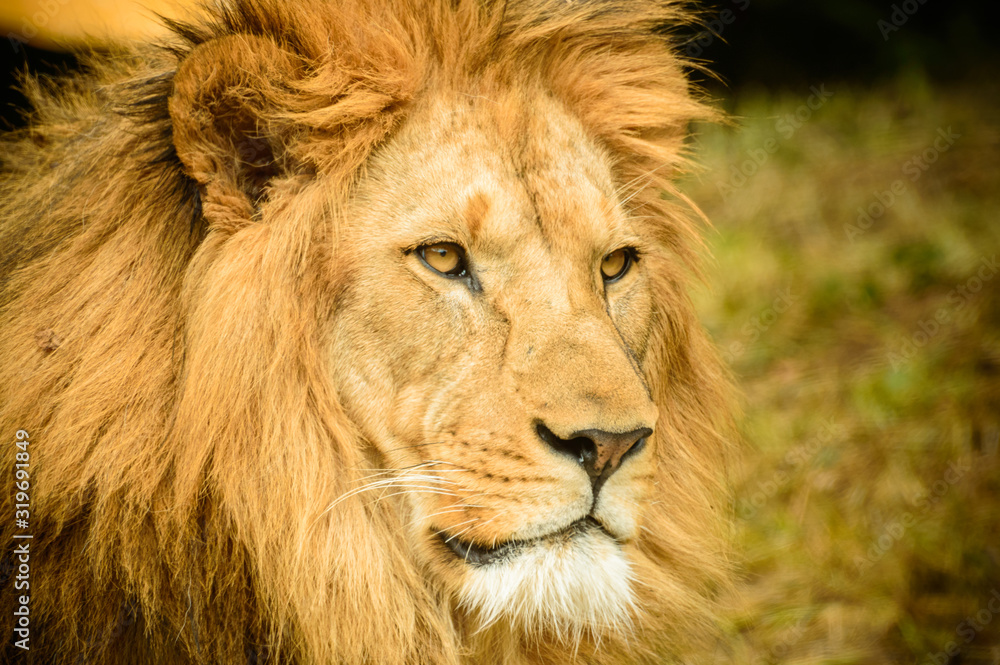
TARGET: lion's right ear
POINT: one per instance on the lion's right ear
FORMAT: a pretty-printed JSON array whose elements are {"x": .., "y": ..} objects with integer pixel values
[{"x": 227, "y": 128}]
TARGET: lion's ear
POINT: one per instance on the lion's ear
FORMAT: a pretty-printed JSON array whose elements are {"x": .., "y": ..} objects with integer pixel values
[{"x": 227, "y": 127}]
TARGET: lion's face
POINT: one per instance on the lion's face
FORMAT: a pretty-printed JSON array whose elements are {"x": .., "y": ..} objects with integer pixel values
[{"x": 489, "y": 346}]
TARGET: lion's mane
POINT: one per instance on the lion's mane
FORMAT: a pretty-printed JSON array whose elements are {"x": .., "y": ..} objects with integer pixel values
[{"x": 185, "y": 444}]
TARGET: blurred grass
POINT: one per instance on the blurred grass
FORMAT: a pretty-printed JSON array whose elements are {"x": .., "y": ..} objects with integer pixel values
[{"x": 868, "y": 501}]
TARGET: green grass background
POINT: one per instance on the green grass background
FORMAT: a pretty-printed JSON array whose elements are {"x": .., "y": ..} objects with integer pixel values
[{"x": 867, "y": 498}]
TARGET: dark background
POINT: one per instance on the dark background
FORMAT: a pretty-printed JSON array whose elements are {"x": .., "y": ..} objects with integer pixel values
[
  {"x": 775, "y": 43},
  {"x": 768, "y": 43}
]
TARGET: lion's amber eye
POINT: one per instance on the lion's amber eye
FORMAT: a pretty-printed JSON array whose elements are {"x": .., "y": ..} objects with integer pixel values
[
  {"x": 616, "y": 264},
  {"x": 446, "y": 258}
]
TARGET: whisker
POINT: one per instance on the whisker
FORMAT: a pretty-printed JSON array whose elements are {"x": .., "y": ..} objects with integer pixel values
[
  {"x": 387, "y": 472},
  {"x": 413, "y": 467},
  {"x": 393, "y": 482},
  {"x": 410, "y": 476},
  {"x": 416, "y": 445},
  {"x": 433, "y": 515},
  {"x": 474, "y": 519},
  {"x": 456, "y": 535},
  {"x": 408, "y": 491},
  {"x": 493, "y": 543}
]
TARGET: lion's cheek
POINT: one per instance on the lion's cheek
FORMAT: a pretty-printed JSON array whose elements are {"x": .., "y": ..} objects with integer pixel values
[
  {"x": 389, "y": 354},
  {"x": 363, "y": 390},
  {"x": 632, "y": 316}
]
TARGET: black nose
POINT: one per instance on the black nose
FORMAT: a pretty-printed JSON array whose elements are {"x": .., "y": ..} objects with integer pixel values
[{"x": 599, "y": 452}]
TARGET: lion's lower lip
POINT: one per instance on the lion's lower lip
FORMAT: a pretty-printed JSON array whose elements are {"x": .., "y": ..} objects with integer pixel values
[{"x": 479, "y": 555}]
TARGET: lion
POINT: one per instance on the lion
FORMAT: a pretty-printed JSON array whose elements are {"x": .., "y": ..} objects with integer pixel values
[{"x": 343, "y": 331}]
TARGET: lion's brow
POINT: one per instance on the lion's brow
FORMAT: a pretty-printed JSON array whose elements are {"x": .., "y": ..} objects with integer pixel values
[{"x": 476, "y": 209}]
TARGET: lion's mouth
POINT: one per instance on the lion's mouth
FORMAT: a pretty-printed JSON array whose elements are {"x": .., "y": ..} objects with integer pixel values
[{"x": 479, "y": 555}]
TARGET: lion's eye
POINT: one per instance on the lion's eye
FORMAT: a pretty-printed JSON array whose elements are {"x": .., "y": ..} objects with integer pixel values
[
  {"x": 616, "y": 264},
  {"x": 446, "y": 258}
]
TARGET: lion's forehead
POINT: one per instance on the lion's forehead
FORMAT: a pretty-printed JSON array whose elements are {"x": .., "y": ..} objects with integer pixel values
[{"x": 505, "y": 188}]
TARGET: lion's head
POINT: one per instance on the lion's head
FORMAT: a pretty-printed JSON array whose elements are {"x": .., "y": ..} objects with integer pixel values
[
  {"x": 489, "y": 345},
  {"x": 373, "y": 343}
]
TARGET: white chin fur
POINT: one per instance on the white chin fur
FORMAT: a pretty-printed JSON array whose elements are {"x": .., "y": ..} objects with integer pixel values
[{"x": 566, "y": 587}]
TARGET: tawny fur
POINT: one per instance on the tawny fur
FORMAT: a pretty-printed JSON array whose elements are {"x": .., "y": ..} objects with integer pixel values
[{"x": 171, "y": 274}]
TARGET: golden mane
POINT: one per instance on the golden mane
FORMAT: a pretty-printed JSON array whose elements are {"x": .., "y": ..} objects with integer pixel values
[{"x": 185, "y": 443}]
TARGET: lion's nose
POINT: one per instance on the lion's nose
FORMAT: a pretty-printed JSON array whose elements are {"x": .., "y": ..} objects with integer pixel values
[{"x": 599, "y": 452}]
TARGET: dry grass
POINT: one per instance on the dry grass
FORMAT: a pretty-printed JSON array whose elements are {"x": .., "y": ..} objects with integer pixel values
[{"x": 868, "y": 506}]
